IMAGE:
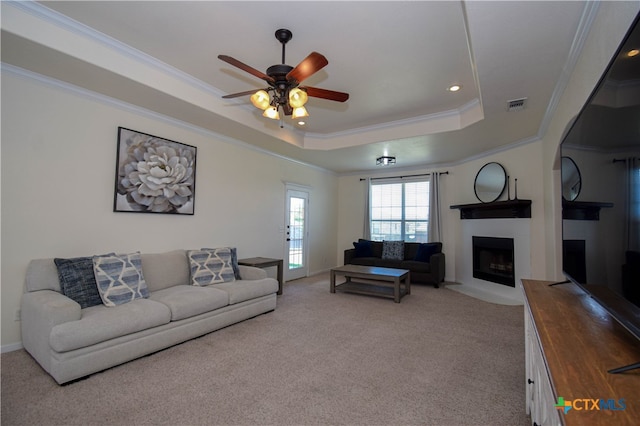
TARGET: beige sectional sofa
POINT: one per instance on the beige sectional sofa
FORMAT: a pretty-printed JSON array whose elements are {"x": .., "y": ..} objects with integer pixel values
[{"x": 71, "y": 342}]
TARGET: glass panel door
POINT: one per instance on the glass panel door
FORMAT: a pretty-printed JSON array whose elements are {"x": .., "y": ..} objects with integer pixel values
[{"x": 296, "y": 235}]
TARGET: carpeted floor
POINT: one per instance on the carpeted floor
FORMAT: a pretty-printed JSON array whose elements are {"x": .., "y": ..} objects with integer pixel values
[{"x": 437, "y": 358}]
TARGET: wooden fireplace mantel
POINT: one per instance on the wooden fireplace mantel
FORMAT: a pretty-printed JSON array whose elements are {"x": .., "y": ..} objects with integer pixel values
[
  {"x": 511, "y": 209},
  {"x": 583, "y": 210}
]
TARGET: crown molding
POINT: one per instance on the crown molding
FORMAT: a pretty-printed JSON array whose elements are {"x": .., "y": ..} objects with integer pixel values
[
  {"x": 469, "y": 106},
  {"x": 586, "y": 20}
]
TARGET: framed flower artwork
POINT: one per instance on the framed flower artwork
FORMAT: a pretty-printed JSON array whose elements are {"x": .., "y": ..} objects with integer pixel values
[{"x": 154, "y": 175}]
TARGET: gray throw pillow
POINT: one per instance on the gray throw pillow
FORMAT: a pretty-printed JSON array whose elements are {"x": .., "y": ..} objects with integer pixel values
[
  {"x": 393, "y": 250},
  {"x": 78, "y": 281}
]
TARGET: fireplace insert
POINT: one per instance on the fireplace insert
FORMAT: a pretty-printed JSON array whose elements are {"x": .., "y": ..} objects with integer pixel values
[{"x": 493, "y": 260}]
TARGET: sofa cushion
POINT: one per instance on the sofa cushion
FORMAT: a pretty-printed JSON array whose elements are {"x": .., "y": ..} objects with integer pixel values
[
  {"x": 78, "y": 281},
  {"x": 416, "y": 266},
  {"x": 210, "y": 266},
  {"x": 242, "y": 290},
  {"x": 366, "y": 261},
  {"x": 388, "y": 263},
  {"x": 426, "y": 250},
  {"x": 119, "y": 277},
  {"x": 393, "y": 250},
  {"x": 101, "y": 323},
  {"x": 42, "y": 274},
  {"x": 376, "y": 261},
  {"x": 186, "y": 301},
  {"x": 363, "y": 249},
  {"x": 163, "y": 270}
]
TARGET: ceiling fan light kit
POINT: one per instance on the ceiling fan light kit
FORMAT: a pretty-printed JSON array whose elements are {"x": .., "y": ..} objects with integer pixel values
[
  {"x": 299, "y": 112},
  {"x": 284, "y": 90},
  {"x": 272, "y": 113},
  {"x": 260, "y": 99},
  {"x": 297, "y": 97}
]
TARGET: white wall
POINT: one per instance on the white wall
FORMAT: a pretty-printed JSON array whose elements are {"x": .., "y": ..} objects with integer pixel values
[
  {"x": 58, "y": 167},
  {"x": 523, "y": 163}
]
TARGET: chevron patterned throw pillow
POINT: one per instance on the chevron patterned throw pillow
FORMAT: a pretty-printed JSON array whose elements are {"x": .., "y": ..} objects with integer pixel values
[{"x": 211, "y": 266}]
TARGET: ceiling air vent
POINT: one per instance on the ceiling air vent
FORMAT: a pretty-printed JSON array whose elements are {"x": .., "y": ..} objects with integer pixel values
[{"x": 516, "y": 104}]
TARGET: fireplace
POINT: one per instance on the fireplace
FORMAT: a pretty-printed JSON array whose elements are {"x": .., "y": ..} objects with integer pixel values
[
  {"x": 574, "y": 260},
  {"x": 493, "y": 260}
]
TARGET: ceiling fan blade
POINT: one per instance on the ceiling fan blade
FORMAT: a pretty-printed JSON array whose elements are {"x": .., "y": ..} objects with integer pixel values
[
  {"x": 309, "y": 66},
  {"x": 332, "y": 95},
  {"x": 236, "y": 95},
  {"x": 245, "y": 67}
]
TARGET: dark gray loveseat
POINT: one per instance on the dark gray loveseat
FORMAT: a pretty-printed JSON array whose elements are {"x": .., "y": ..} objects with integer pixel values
[{"x": 428, "y": 270}]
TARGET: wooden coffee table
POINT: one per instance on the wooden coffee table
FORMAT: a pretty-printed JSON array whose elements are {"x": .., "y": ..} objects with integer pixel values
[{"x": 386, "y": 282}]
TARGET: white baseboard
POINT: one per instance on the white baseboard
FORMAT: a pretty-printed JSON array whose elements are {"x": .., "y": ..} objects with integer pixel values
[
  {"x": 321, "y": 271},
  {"x": 482, "y": 294},
  {"x": 11, "y": 347}
]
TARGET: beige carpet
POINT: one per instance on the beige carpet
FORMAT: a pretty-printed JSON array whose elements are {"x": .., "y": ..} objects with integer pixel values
[{"x": 437, "y": 358}]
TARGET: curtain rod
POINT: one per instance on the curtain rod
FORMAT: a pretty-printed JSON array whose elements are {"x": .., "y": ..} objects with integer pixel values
[{"x": 401, "y": 177}]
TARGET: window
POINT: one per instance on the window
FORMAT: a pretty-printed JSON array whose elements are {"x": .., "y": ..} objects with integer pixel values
[{"x": 400, "y": 211}]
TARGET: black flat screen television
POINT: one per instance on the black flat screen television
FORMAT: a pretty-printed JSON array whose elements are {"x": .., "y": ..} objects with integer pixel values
[{"x": 601, "y": 191}]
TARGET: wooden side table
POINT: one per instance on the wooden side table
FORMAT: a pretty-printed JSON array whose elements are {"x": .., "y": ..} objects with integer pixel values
[{"x": 265, "y": 262}]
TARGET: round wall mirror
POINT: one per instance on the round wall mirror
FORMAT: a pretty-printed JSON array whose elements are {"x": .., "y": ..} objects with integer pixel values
[
  {"x": 490, "y": 182},
  {"x": 571, "y": 179}
]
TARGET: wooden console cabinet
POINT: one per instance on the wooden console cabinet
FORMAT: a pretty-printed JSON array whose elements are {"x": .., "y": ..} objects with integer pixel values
[{"x": 570, "y": 344}]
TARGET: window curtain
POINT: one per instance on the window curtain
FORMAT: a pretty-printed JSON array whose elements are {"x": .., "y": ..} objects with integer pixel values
[
  {"x": 435, "y": 226},
  {"x": 366, "y": 232},
  {"x": 633, "y": 204}
]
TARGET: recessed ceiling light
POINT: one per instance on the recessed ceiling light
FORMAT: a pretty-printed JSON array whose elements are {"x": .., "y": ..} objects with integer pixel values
[
  {"x": 454, "y": 87},
  {"x": 633, "y": 52},
  {"x": 302, "y": 123}
]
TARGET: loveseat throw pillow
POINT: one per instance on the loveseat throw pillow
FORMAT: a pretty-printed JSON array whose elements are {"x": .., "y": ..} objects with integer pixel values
[
  {"x": 211, "y": 266},
  {"x": 393, "y": 250},
  {"x": 119, "y": 278},
  {"x": 363, "y": 248},
  {"x": 426, "y": 250}
]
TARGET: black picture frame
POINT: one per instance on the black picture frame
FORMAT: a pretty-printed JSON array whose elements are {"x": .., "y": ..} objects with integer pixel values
[{"x": 154, "y": 175}]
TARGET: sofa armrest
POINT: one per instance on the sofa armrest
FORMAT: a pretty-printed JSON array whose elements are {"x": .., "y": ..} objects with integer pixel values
[
  {"x": 252, "y": 273},
  {"x": 40, "y": 311},
  {"x": 348, "y": 255},
  {"x": 437, "y": 267}
]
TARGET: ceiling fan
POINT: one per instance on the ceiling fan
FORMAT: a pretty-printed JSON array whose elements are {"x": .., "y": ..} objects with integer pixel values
[{"x": 284, "y": 89}]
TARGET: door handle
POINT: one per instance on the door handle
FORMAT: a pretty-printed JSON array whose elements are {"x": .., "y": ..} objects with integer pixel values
[{"x": 288, "y": 239}]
